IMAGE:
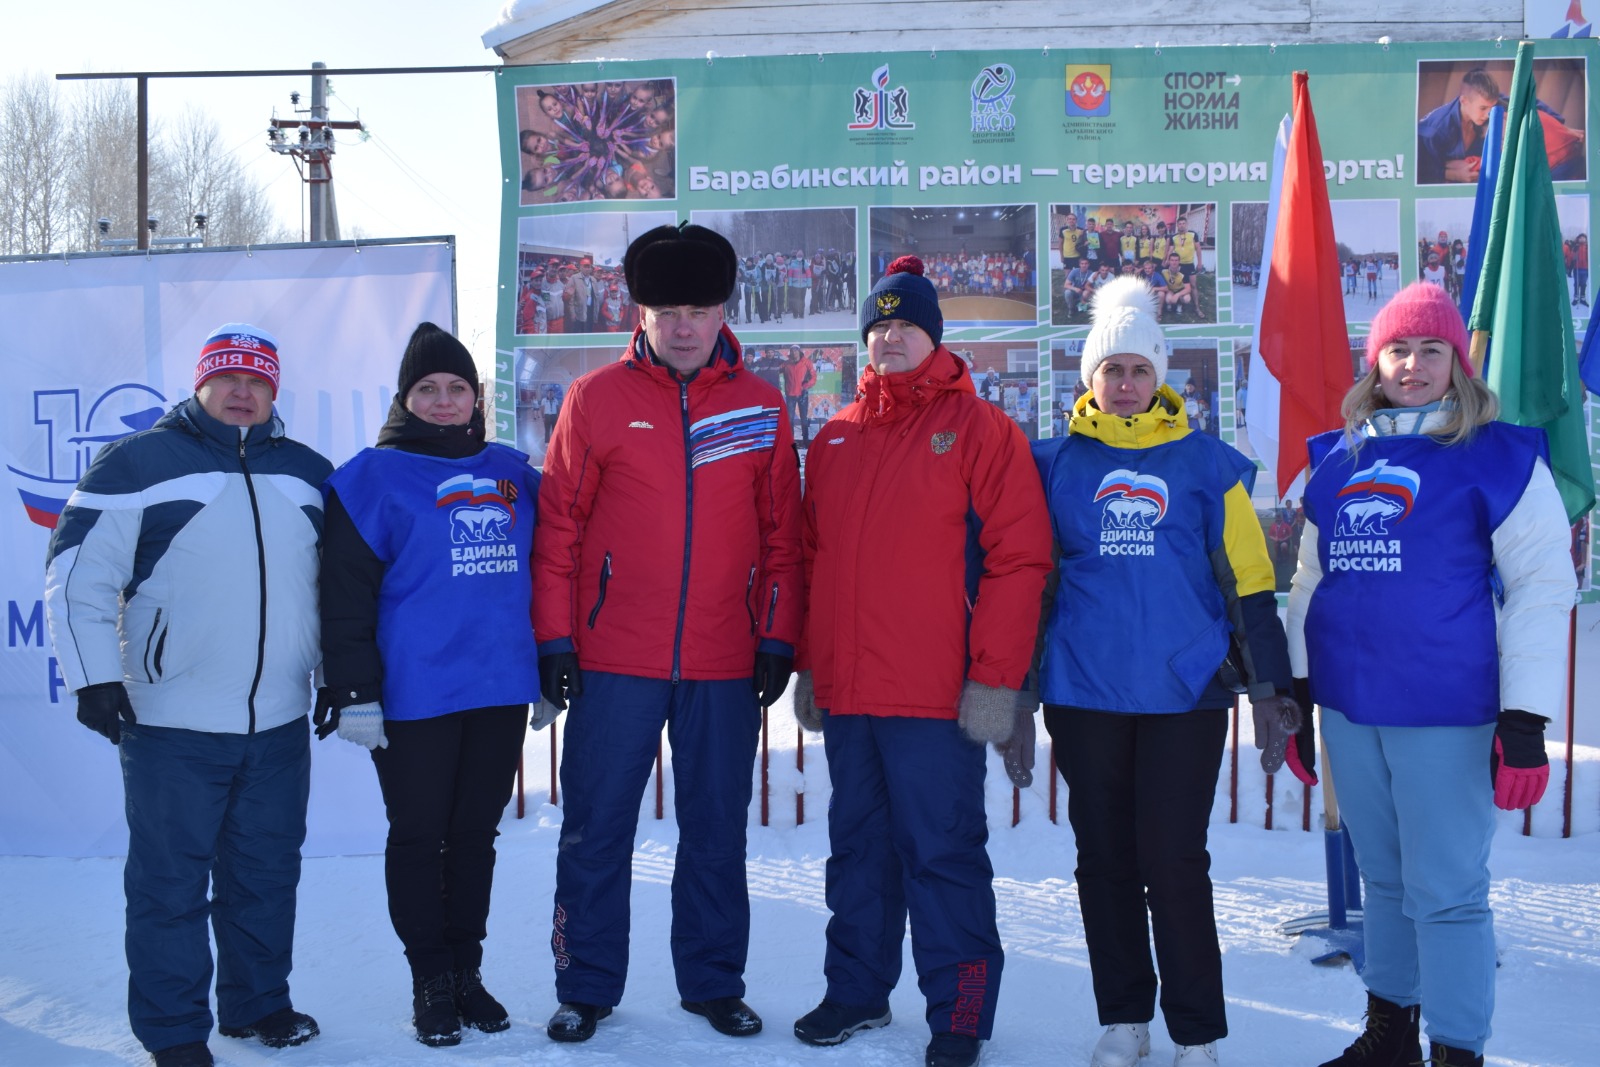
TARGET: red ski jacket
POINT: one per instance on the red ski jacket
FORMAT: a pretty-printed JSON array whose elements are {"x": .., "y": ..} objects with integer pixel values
[
  {"x": 798, "y": 377},
  {"x": 927, "y": 544},
  {"x": 669, "y": 521}
]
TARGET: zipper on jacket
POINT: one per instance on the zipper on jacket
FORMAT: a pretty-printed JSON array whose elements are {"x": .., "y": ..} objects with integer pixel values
[
  {"x": 688, "y": 531},
  {"x": 605, "y": 579},
  {"x": 772, "y": 607},
  {"x": 750, "y": 587},
  {"x": 261, "y": 567},
  {"x": 155, "y": 628}
]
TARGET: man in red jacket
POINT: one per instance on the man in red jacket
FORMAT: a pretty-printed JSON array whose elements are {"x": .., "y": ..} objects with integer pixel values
[
  {"x": 667, "y": 590},
  {"x": 926, "y": 551},
  {"x": 799, "y": 375}
]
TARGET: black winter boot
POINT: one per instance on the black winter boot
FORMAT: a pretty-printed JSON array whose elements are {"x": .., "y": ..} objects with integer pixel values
[
  {"x": 1448, "y": 1056},
  {"x": 476, "y": 1007},
  {"x": 433, "y": 1010},
  {"x": 1391, "y": 1039}
]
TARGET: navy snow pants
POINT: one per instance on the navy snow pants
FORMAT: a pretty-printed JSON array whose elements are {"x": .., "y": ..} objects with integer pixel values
[
  {"x": 612, "y": 731},
  {"x": 228, "y": 810},
  {"x": 908, "y": 832}
]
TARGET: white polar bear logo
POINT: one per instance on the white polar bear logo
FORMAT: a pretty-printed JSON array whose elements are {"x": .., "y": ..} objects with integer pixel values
[
  {"x": 1129, "y": 513},
  {"x": 484, "y": 523},
  {"x": 1366, "y": 517}
]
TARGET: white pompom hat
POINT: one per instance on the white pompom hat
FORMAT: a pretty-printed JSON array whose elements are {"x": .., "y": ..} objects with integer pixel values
[{"x": 1124, "y": 317}]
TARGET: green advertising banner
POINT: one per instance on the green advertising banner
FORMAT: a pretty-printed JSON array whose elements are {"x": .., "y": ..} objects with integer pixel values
[{"x": 1022, "y": 179}]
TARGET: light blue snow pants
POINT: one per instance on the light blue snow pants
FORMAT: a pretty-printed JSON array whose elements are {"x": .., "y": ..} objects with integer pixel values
[{"x": 1419, "y": 806}]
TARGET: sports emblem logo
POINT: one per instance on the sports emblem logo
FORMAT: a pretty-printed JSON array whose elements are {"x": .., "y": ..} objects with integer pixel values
[
  {"x": 943, "y": 441},
  {"x": 993, "y": 91},
  {"x": 1377, "y": 496},
  {"x": 878, "y": 107},
  {"x": 1088, "y": 90},
  {"x": 1133, "y": 501},
  {"x": 888, "y": 303}
]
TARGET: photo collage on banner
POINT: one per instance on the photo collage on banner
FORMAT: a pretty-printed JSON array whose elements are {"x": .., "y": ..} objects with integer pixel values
[{"x": 1023, "y": 181}]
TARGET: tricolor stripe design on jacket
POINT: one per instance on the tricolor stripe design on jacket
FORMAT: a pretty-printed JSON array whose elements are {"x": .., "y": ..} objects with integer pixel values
[{"x": 729, "y": 433}]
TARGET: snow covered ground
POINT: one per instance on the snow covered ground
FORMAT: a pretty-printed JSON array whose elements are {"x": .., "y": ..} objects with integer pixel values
[{"x": 63, "y": 978}]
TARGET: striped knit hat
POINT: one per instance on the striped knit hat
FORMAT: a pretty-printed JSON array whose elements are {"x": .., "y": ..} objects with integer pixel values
[{"x": 239, "y": 348}]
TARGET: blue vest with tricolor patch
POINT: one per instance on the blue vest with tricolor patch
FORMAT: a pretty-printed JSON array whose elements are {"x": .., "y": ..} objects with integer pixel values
[
  {"x": 456, "y": 538},
  {"x": 1400, "y": 630},
  {"x": 1139, "y": 624}
]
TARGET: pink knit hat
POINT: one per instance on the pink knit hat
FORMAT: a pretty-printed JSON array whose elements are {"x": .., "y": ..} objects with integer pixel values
[{"x": 1421, "y": 309}]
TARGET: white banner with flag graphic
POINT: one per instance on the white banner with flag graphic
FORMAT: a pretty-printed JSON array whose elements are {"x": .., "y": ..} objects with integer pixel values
[{"x": 97, "y": 347}]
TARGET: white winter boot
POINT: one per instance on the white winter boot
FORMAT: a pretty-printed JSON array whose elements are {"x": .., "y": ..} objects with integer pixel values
[
  {"x": 1196, "y": 1055},
  {"x": 1122, "y": 1045}
]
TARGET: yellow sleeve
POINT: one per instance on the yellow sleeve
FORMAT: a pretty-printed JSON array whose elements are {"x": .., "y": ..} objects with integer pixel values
[{"x": 1245, "y": 544}]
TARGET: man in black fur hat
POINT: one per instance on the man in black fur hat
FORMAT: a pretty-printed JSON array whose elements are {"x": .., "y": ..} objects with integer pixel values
[{"x": 666, "y": 591}]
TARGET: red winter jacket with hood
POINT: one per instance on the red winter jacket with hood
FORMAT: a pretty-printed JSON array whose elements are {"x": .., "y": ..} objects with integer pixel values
[
  {"x": 669, "y": 521},
  {"x": 927, "y": 544}
]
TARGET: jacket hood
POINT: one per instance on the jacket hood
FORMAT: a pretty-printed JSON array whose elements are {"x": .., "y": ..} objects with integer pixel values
[
  {"x": 1165, "y": 421},
  {"x": 885, "y": 396},
  {"x": 727, "y": 357},
  {"x": 189, "y": 416}
]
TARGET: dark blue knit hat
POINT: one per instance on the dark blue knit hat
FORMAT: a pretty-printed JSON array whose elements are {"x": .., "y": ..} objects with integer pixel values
[{"x": 903, "y": 293}]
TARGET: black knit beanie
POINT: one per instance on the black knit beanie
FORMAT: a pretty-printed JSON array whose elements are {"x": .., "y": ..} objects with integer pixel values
[{"x": 433, "y": 351}]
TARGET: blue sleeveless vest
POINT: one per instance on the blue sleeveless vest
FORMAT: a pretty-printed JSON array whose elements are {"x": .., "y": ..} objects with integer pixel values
[
  {"x": 1401, "y": 628},
  {"x": 1138, "y": 625},
  {"x": 456, "y": 535}
]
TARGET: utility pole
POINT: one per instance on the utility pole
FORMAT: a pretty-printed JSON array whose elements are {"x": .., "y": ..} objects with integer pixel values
[
  {"x": 312, "y": 148},
  {"x": 319, "y": 167}
]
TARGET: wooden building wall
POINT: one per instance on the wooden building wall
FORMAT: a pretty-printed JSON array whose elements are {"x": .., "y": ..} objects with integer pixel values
[{"x": 652, "y": 29}]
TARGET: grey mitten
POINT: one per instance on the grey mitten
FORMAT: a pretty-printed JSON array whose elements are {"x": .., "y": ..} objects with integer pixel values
[
  {"x": 1277, "y": 719},
  {"x": 987, "y": 713},
  {"x": 1017, "y": 753},
  {"x": 806, "y": 712},
  {"x": 362, "y": 724},
  {"x": 544, "y": 713}
]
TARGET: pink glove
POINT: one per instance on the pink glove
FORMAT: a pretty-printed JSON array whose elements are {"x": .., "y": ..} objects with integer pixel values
[
  {"x": 1519, "y": 769},
  {"x": 1516, "y": 788},
  {"x": 1297, "y": 765}
]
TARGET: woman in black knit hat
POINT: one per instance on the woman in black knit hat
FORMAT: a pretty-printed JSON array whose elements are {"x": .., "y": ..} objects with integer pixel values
[{"x": 424, "y": 568}]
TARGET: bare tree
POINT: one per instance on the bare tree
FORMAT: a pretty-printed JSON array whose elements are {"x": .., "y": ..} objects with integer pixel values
[
  {"x": 34, "y": 166},
  {"x": 105, "y": 157},
  {"x": 200, "y": 174},
  {"x": 61, "y": 170}
]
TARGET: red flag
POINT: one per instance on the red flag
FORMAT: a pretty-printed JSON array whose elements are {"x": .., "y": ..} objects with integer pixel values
[{"x": 1303, "y": 338}]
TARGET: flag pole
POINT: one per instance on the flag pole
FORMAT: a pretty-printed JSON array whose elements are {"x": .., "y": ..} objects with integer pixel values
[
  {"x": 1572, "y": 672},
  {"x": 1479, "y": 347}
]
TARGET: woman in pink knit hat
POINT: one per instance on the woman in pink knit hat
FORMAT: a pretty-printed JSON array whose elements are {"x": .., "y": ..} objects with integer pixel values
[{"x": 1428, "y": 618}]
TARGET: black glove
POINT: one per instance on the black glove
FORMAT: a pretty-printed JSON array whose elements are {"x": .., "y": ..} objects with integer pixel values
[
  {"x": 1301, "y": 756},
  {"x": 771, "y": 677},
  {"x": 559, "y": 678},
  {"x": 324, "y": 716},
  {"x": 102, "y": 707}
]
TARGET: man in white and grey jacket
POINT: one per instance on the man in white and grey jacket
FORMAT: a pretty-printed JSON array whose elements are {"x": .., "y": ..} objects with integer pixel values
[{"x": 181, "y": 592}]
